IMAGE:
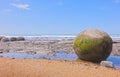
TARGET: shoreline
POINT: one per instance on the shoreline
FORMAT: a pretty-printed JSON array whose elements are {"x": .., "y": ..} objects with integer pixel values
[{"x": 47, "y": 47}]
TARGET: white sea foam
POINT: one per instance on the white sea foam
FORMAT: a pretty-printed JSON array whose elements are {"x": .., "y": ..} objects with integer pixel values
[{"x": 58, "y": 37}]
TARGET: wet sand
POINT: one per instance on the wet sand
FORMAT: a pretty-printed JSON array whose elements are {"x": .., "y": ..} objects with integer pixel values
[
  {"x": 47, "y": 47},
  {"x": 53, "y": 68}
]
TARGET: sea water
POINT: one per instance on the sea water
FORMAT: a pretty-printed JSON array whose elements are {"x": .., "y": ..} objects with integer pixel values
[
  {"x": 56, "y": 56},
  {"x": 47, "y": 37}
]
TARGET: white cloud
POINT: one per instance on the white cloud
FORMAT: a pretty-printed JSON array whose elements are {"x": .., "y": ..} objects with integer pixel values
[
  {"x": 21, "y": 6},
  {"x": 116, "y": 1}
]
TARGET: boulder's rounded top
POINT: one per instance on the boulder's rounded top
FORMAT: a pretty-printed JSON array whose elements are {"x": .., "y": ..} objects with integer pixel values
[{"x": 94, "y": 33}]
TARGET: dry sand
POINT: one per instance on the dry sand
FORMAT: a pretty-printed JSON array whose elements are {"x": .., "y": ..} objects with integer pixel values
[{"x": 51, "y": 68}]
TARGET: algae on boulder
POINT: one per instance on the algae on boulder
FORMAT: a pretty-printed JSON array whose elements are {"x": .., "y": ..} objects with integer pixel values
[{"x": 93, "y": 45}]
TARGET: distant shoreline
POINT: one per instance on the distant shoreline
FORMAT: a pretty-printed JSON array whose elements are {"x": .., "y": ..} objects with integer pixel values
[{"x": 55, "y": 37}]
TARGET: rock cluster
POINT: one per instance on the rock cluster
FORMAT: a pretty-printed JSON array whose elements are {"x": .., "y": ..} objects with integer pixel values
[{"x": 6, "y": 39}]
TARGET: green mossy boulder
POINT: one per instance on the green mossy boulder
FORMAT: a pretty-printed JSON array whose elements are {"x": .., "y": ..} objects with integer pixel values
[{"x": 93, "y": 45}]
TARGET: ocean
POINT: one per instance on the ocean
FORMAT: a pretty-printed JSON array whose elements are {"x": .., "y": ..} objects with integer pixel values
[{"x": 58, "y": 37}]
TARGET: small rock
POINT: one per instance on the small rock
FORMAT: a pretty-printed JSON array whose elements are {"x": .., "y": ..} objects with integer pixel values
[
  {"x": 1, "y": 51},
  {"x": 20, "y": 39},
  {"x": 13, "y": 39},
  {"x": 106, "y": 64},
  {"x": 12, "y": 58},
  {"x": 5, "y": 39},
  {"x": 1, "y": 37}
]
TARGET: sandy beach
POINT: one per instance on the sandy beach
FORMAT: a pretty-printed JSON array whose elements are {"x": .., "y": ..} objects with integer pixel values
[
  {"x": 53, "y": 68},
  {"x": 14, "y": 67}
]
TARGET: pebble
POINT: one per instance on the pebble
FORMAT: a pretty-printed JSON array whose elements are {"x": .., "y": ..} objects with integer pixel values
[{"x": 106, "y": 64}]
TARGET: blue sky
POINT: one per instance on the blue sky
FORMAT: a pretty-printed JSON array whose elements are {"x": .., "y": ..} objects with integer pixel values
[{"x": 34, "y": 17}]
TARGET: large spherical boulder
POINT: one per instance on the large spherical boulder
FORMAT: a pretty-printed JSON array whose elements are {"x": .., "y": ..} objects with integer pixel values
[{"x": 93, "y": 45}]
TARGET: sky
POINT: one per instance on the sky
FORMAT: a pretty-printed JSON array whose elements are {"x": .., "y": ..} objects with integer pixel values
[{"x": 35, "y": 17}]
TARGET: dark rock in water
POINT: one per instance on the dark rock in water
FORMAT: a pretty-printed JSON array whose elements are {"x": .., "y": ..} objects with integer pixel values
[
  {"x": 20, "y": 39},
  {"x": 107, "y": 64},
  {"x": 1, "y": 51},
  {"x": 13, "y": 39},
  {"x": 116, "y": 41},
  {"x": 5, "y": 39},
  {"x": 93, "y": 45}
]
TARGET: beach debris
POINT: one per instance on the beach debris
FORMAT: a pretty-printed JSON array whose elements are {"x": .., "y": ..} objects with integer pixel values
[
  {"x": 106, "y": 64},
  {"x": 93, "y": 45}
]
